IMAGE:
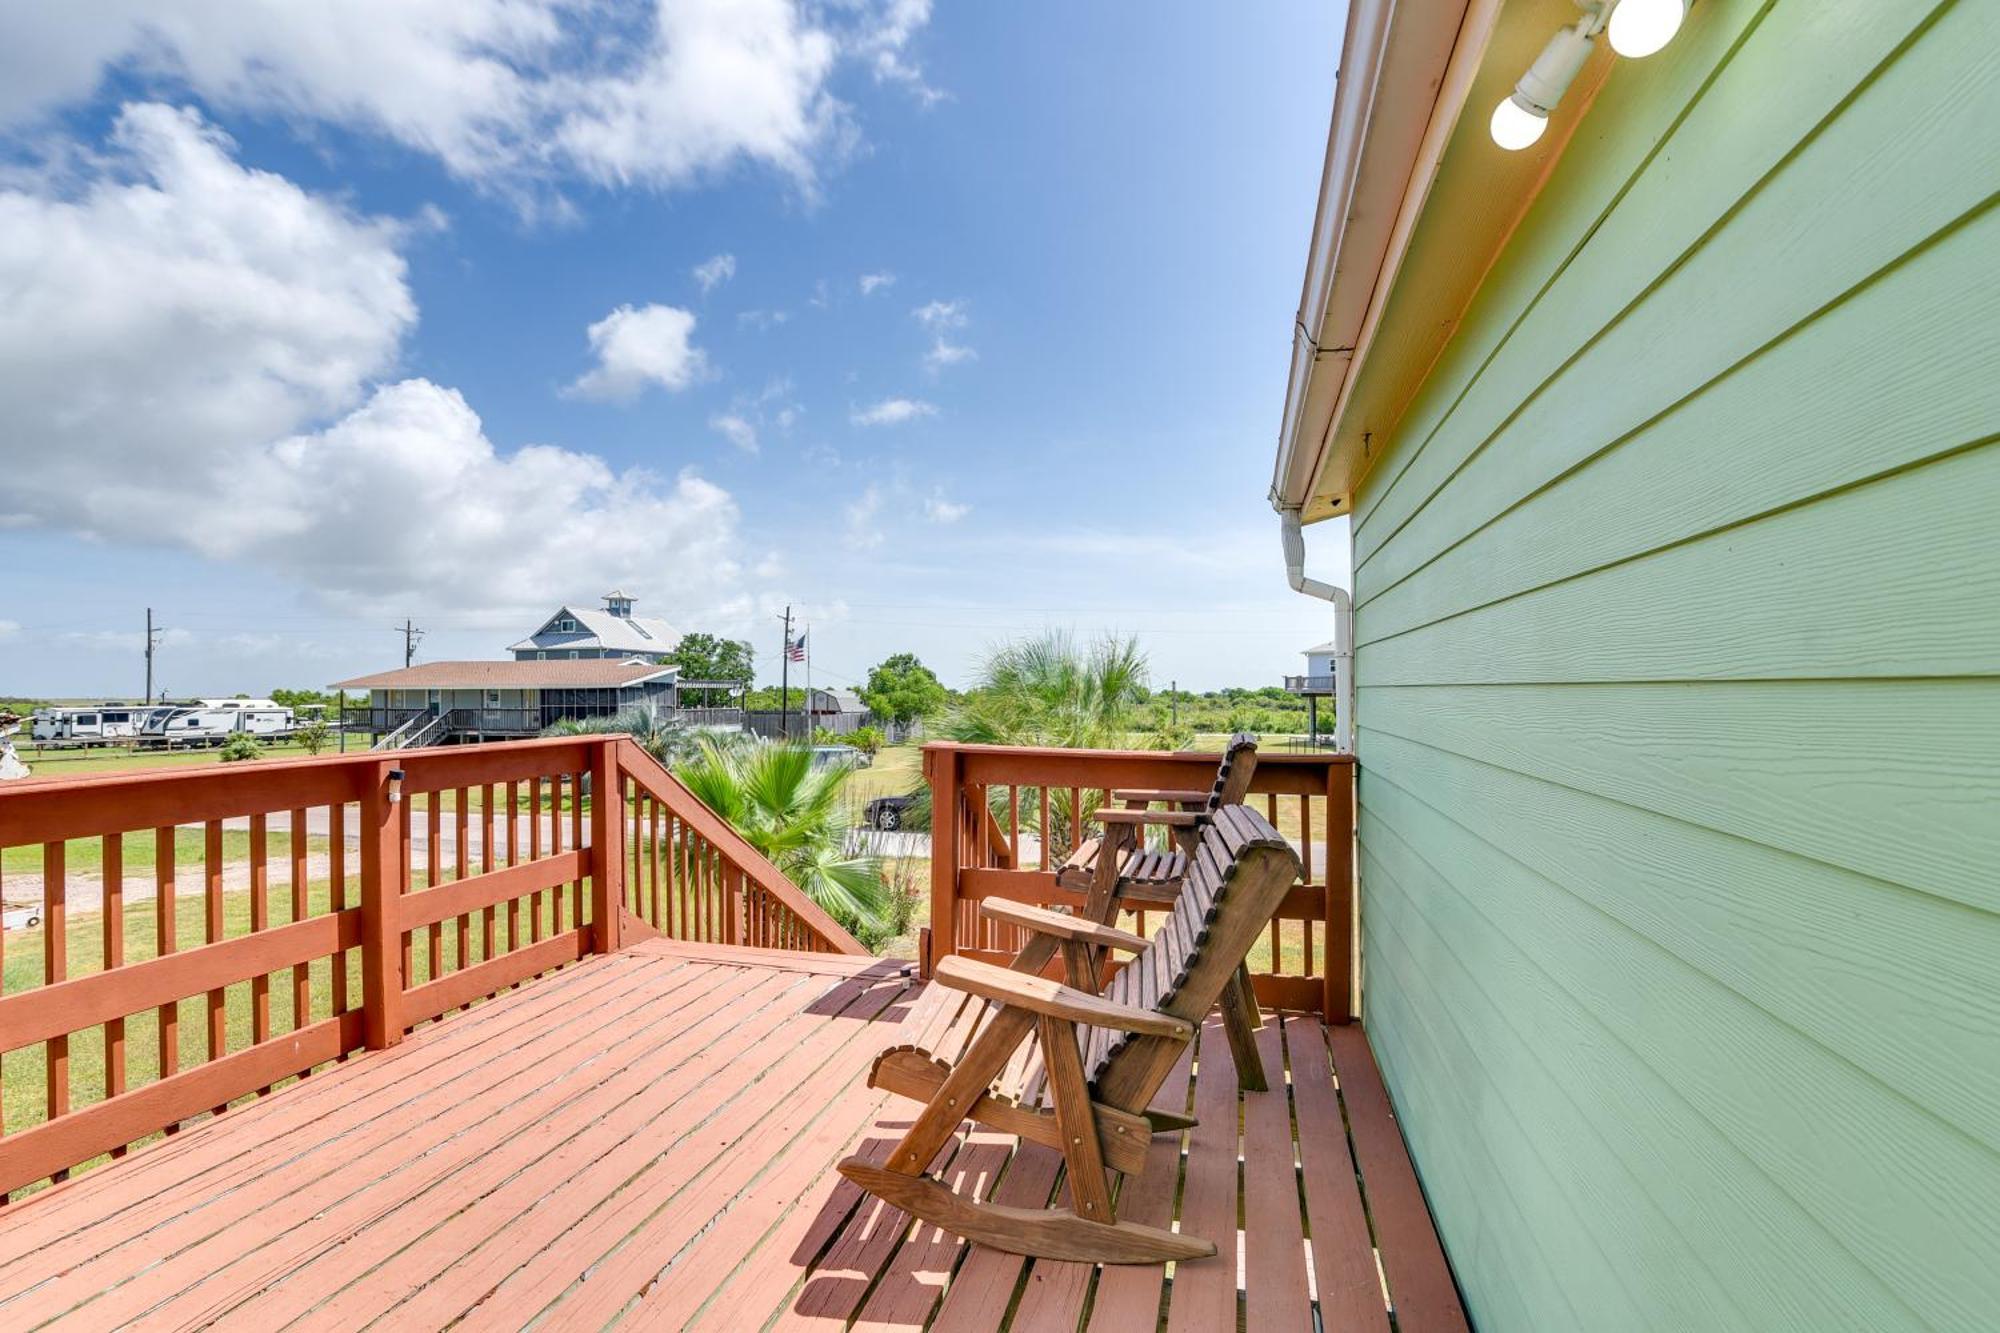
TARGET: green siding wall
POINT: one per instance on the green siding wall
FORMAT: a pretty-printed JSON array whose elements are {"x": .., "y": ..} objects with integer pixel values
[{"x": 1679, "y": 718}]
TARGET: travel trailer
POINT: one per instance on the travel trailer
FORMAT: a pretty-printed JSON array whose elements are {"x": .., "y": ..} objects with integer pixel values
[
  {"x": 99, "y": 725},
  {"x": 212, "y": 721}
]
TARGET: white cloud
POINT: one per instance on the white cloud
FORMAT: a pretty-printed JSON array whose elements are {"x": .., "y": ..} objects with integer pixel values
[
  {"x": 874, "y": 282},
  {"x": 736, "y": 430},
  {"x": 939, "y": 318},
  {"x": 939, "y": 509},
  {"x": 641, "y": 346},
  {"x": 886, "y": 47},
  {"x": 178, "y": 328},
  {"x": 506, "y": 93},
  {"x": 864, "y": 525},
  {"x": 892, "y": 412},
  {"x": 9, "y": 628},
  {"x": 762, "y": 320},
  {"x": 713, "y": 272},
  {"x": 172, "y": 311},
  {"x": 946, "y": 353}
]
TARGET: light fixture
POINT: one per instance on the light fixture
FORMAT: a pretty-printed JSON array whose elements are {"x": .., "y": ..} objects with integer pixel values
[
  {"x": 1640, "y": 27},
  {"x": 1520, "y": 119}
]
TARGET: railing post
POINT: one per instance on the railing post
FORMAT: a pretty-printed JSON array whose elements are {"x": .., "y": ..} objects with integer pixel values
[
  {"x": 1339, "y": 963},
  {"x": 941, "y": 766},
  {"x": 607, "y": 847},
  {"x": 381, "y": 886}
]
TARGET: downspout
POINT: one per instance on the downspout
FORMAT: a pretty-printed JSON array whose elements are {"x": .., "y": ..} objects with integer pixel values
[{"x": 1343, "y": 626}]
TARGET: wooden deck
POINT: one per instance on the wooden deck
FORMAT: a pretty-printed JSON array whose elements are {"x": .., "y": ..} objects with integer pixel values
[{"x": 648, "y": 1138}]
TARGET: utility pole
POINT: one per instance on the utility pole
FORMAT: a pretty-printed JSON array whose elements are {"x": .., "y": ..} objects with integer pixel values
[
  {"x": 1174, "y": 700},
  {"x": 412, "y": 636},
  {"x": 785, "y": 678},
  {"x": 153, "y": 634}
]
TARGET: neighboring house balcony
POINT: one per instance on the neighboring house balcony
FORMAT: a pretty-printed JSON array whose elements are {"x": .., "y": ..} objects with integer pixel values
[
  {"x": 1322, "y": 685},
  {"x": 575, "y": 1061}
]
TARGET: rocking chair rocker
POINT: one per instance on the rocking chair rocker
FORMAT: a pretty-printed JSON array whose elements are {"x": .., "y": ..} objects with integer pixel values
[{"x": 1105, "y": 1056}]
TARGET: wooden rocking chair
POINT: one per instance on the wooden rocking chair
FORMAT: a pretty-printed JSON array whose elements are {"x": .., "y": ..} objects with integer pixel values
[
  {"x": 1147, "y": 876},
  {"x": 1105, "y": 1056}
]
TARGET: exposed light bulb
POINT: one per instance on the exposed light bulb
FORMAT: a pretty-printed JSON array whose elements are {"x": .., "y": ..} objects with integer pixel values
[
  {"x": 1514, "y": 127},
  {"x": 1640, "y": 27}
]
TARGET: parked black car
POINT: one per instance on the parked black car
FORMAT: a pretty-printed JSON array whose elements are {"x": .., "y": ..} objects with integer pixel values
[{"x": 886, "y": 812}]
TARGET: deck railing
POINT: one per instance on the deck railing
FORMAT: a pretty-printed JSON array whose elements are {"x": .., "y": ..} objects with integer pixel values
[
  {"x": 1003, "y": 818},
  {"x": 409, "y": 884}
]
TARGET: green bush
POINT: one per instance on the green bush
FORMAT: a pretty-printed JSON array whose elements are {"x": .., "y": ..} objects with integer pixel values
[
  {"x": 314, "y": 736},
  {"x": 240, "y": 747},
  {"x": 868, "y": 740}
]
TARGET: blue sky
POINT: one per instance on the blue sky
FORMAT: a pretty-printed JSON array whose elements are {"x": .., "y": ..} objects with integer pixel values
[{"x": 290, "y": 312}]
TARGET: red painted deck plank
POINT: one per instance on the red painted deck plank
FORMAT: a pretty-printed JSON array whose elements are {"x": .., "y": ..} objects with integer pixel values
[
  {"x": 1274, "y": 1247},
  {"x": 650, "y": 1138},
  {"x": 1420, "y": 1282},
  {"x": 1204, "y": 1291},
  {"x": 1344, "y": 1267},
  {"x": 1128, "y": 1295}
]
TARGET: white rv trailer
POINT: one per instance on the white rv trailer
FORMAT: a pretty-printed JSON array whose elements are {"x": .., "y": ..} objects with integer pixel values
[
  {"x": 100, "y": 725},
  {"x": 212, "y": 721}
]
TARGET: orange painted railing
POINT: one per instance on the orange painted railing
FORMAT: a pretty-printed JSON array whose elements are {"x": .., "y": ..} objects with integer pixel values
[
  {"x": 1003, "y": 818},
  {"x": 473, "y": 869}
]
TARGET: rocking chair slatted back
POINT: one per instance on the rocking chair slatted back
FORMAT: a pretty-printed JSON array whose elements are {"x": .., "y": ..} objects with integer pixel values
[{"x": 1240, "y": 872}]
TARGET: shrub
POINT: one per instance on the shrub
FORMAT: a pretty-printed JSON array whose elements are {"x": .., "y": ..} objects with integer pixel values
[
  {"x": 240, "y": 747},
  {"x": 314, "y": 736},
  {"x": 868, "y": 740}
]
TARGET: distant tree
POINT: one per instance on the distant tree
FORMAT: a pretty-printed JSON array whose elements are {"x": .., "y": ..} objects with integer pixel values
[
  {"x": 707, "y": 657},
  {"x": 902, "y": 689},
  {"x": 314, "y": 735}
]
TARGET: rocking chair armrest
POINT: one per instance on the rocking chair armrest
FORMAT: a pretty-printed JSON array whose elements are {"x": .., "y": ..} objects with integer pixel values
[
  {"x": 1171, "y": 818},
  {"x": 1040, "y": 995},
  {"x": 1150, "y": 795},
  {"x": 1044, "y": 922}
]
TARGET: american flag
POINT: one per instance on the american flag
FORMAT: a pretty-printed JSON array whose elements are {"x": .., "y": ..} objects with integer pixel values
[{"x": 795, "y": 649}]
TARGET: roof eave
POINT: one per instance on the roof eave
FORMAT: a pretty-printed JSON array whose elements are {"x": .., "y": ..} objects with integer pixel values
[{"x": 1405, "y": 66}]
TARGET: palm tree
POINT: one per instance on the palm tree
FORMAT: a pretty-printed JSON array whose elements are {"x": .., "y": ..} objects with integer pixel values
[
  {"x": 793, "y": 815},
  {"x": 1048, "y": 691}
]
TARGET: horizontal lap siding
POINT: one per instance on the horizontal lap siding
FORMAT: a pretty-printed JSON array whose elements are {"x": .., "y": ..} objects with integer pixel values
[{"x": 1679, "y": 719}]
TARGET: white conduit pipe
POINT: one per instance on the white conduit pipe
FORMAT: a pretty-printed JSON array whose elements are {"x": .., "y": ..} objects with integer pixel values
[{"x": 1343, "y": 626}]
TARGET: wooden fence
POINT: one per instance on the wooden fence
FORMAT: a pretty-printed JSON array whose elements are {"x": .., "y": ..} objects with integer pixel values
[
  {"x": 410, "y": 884},
  {"x": 1004, "y": 817}
]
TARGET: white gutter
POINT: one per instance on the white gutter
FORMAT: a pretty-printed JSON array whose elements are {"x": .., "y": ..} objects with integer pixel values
[{"x": 1343, "y": 626}]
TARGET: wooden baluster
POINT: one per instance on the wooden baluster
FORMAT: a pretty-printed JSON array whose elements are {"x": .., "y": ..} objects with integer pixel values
[
  {"x": 513, "y": 858},
  {"x": 218, "y": 999},
  {"x": 164, "y": 943},
  {"x": 653, "y": 854},
  {"x": 1014, "y": 824},
  {"x": 404, "y": 883},
  {"x": 462, "y": 822},
  {"x": 489, "y": 860},
  {"x": 433, "y": 862},
  {"x": 1042, "y": 800},
  {"x": 260, "y": 920},
  {"x": 336, "y": 894},
  {"x": 55, "y": 967},
  {"x": 941, "y": 766},
  {"x": 535, "y": 854},
  {"x": 576, "y": 841},
  {"x": 301, "y": 908},
  {"x": 114, "y": 958}
]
